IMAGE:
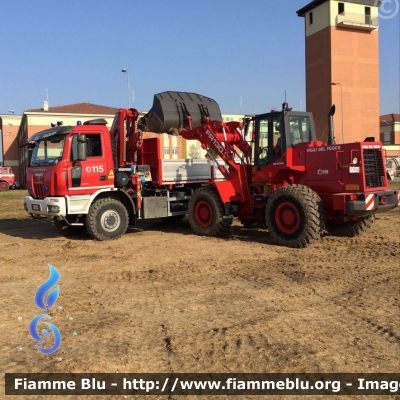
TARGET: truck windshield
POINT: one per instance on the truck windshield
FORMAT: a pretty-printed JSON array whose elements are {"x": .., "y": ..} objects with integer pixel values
[{"x": 48, "y": 152}]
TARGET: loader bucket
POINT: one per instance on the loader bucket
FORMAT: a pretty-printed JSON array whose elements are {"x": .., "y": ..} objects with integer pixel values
[{"x": 171, "y": 109}]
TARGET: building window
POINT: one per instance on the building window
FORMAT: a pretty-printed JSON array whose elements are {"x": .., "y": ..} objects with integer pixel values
[
  {"x": 341, "y": 8},
  {"x": 367, "y": 15},
  {"x": 311, "y": 18},
  {"x": 174, "y": 150},
  {"x": 387, "y": 138},
  {"x": 166, "y": 150}
]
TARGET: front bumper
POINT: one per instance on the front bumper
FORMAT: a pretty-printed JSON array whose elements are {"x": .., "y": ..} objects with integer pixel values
[
  {"x": 50, "y": 206},
  {"x": 375, "y": 202}
]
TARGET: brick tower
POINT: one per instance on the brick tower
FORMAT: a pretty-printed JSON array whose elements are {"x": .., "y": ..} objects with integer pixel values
[{"x": 342, "y": 63}]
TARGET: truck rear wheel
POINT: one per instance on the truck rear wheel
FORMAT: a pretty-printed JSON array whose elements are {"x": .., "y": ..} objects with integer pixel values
[
  {"x": 350, "y": 228},
  {"x": 4, "y": 186},
  {"x": 206, "y": 213},
  {"x": 295, "y": 216},
  {"x": 107, "y": 219}
]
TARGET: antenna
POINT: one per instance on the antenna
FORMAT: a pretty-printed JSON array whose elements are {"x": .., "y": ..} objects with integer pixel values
[
  {"x": 285, "y": 96},
  {"x": 47, "y": 95}
]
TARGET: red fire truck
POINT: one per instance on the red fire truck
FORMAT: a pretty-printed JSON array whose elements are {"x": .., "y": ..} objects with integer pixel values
[
  {"x": 269, "y": 169},
  {"x": 7, "y": 178}
]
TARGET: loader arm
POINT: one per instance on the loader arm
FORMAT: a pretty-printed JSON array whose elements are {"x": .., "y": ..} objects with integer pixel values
[{"x": 223, "y": 139}]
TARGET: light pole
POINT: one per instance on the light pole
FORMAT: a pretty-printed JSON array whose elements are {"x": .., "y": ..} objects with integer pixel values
[
  {"x": 341, "y": 96},
  {"x": 127, "y": 78}
]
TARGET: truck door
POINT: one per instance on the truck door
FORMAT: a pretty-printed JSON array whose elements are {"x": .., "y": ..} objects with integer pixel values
[{"x": 95, "y": 172}]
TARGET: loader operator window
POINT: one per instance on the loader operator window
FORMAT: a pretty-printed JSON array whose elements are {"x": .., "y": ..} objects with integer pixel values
[
  {"x": 300, "y": 129},
  {"x": 277, "y": 138},
  {"x": 47, "y": 152},
  {"x": 263, "y": 142},
  {"x": 270, "y": 144}
]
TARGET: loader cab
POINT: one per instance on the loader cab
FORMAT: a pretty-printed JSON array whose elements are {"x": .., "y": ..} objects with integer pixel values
[{"x": 273, "y": 133}]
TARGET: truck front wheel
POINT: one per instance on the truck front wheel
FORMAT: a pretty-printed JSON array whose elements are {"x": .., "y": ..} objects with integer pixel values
[
  {"x": 295, "y": 216},
  {"x": 107, "y": 219},
  {"x": 4, "y": 186},
  {"x": 206, "y": 213}
]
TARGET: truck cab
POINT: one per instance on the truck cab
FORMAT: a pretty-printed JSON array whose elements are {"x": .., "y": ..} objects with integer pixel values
[
  {"x": 55, "y": 167},
  {"x": 67, "y": 167}
]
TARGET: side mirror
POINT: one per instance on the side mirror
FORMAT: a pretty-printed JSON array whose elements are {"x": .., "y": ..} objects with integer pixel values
[{"x": 81, "y": 139}]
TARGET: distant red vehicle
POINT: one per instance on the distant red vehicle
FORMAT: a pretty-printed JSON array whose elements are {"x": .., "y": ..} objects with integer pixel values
[{"x": 7, "y": 178}]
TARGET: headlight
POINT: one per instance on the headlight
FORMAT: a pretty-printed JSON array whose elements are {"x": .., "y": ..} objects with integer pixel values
[
  {"x": 53, "y": 209},
  {"x": 355, "y": 161}
]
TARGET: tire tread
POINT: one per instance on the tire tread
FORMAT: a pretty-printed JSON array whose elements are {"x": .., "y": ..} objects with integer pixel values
[
  {"x": 92, "y": 214},
  {"x": 222, "y": 226},
  {"x": 315, "y": 215}
]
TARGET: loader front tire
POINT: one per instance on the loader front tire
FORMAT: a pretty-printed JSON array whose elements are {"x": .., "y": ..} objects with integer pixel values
[
  {"x": 295, "y": 216},
  {"x": 350, "y": 228},
  {"x": 107, "y": 219},
  {"x": 206, "y": 213}
]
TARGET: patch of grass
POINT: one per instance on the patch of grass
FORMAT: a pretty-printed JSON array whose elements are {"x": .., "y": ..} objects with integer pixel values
[
  {"x": 394, "y": 185},
  {"x": 12, "y": 201}
]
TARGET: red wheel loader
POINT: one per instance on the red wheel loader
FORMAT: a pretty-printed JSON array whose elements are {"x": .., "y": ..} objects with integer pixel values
[{"x": 269, "y": 170}]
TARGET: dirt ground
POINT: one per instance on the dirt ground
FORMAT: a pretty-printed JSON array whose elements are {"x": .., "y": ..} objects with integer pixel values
[{"x": 161, "y": 299}]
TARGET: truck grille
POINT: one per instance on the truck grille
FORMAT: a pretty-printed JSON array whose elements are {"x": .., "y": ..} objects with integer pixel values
[
  {"x": 373, "y": 169},
  {"x": 38, "y": 191}
]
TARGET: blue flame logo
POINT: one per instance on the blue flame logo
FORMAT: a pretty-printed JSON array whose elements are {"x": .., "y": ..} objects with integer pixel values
[{"x": 46, "y": 304}]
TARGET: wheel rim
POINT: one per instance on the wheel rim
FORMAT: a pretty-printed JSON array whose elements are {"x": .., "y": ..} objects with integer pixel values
[
  {"x": 287, "y": 218},
  {"x": 203, "y": 213},
  {"x": 3, "y": 186},
  {"x": 110, "y": 220}
]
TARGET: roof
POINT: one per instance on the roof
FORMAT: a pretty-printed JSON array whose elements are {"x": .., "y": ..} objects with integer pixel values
[
  {"x": 389, "y": 118},
  {"x": 315, "y": 3},
  {"x": 79, "y": 108}
]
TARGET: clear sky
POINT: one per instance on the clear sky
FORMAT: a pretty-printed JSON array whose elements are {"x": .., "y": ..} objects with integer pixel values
[{"x": 242, "y": 53}]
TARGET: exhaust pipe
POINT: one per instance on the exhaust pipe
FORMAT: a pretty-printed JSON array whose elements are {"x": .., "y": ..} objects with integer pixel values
[{"x": 331, "y": 133}]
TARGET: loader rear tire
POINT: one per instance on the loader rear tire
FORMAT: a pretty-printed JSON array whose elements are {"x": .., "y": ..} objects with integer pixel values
[
  {"x": 107, "y": 219},
  {"x": 206, "y": 213},
  {"x": 295, "y": 216},
  {"x": 350, "y": 228}
]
